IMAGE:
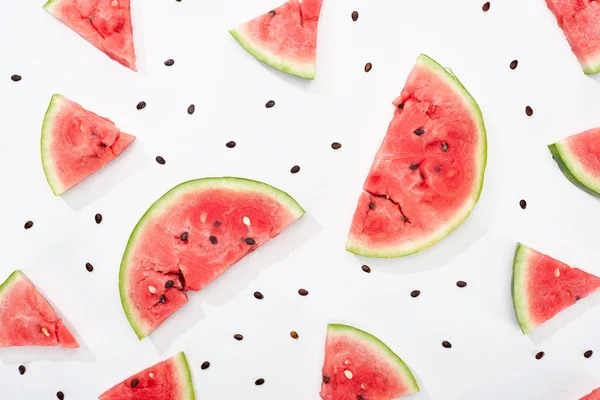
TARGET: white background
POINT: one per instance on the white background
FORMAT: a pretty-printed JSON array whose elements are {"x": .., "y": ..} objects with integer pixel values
[{"x": 490, "y": 358}]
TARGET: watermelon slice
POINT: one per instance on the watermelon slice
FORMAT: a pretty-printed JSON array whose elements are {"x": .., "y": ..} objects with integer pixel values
[
  {"x": 168, "y": 380},
  {"x": 542, "y": 287},
  {"x": 360, "y": 366},
  {"x": 428, "y": 173},
  {"x": 578, "y": 157},
  {"x": 190, "y": 236},
  {"x": 595, "y": 395},
  {"x": 284, "y": 38},
  {"x": 104, "y": 23},
  {"x": 26, "y": 317},
  {"x": 76, "y": 143},
  {"x": 579, "y": 21}
]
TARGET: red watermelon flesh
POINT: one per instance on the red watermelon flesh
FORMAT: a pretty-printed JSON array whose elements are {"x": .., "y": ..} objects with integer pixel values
[
  {"x": 26, "y": 317},
  {"x": 544, "y": 286},
  {"x": 428, "y": 172},
  {"x": 190, "y": 236},
  {"x": 76, "y": 143},
  {"x": 167, "y": 380},
  {"x": 104, "y": 23},
  {"x": 580, "y": 21},
  {"x": 595, "y": 395}
]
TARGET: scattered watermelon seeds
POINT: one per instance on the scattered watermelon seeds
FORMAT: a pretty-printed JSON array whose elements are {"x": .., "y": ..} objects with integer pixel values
[
  {"x": 169, "y": 284},
  {"x": 160, "y": 160},
  {"x": 461, "y": 284},
  {"x": 60, "y": 395},
  {"x": 588, "y": 354},
  {"x": 366, "y": 269},
  {"x": 354, "y": 15},
  {"x": 238, "y": 337},
  {"x": 169, "y": 62},
  {"x": 183, "y": 237},
  {"x": 163, "y": 298},
  {"x": 191, "y": 109},
  {"x": 513, "y": 64},
  {"x": 303, "y": 292},
  {"x": 419, "y": 131},
  {"x": 16, "y": 78},
  {"x": 447, "y": 344},
  {"x": 89, "y": 267},
  {"x": 250, "y": 241},
  {"x": 368, "y": 67},
  {"x": 205, "y": 365},
  {"x": 336, "y": 145},
  {"x": 523, "y": 204},
  {"x": 529, "y": 111},
  {"x": 325, "y": 379},
  {"x": 258, "y": 295},
  {"x": 230, "y": 144},
  {"x": 28, "y": 224},
  {"x": 134, "y": 382},
  {"x": 270, "y": 104},
  {"x": 98, "y": 218},
  {"x": 213, "y": 239},
  {"x": 294, "y": 335},
  {"x": 444, "y": 146},
  {"x": 415, "y": 293},
  {"x": 259, "y": 381},
  {"x": 540, "y": 355},
  {"x": 22, "y": 369},
  {"x": 486, "y": 7},
  {"x": 295, "y": 169},
  {"x": 141, "y": 105}
]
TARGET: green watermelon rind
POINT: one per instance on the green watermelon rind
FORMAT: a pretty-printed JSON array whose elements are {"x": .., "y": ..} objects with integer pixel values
[
  {"x": 573, "y": 170},
  {"x": 303, "y": 70},
  {"x": 185, "y": 376},
  {"x": 224, "y": 182},
  {"x": 404, "y": 250},
  {"x": 11, "y": 280},
  {"x": 46, "y": 141},
  {"x": 49, "y": 4},
  {"x": 381, "y": 348},
  {"x": 519, "y": 288}
]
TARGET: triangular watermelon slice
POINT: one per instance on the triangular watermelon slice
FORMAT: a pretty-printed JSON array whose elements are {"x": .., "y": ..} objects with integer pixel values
[
  {"x": 190, "y": 236},
  {"x": 26, "y": 317},
  {"x": 168, "y": 380},
  {"x": 542, "y": 287},
  {"x": 76, "y": 143},
  {"x": 284, "y": 38},
  {"x": 578, "y": 157},
  {"x": 104, "y": 23},
  {"x": 595, "y": 395},
  {"x": 359, "y": 366}
]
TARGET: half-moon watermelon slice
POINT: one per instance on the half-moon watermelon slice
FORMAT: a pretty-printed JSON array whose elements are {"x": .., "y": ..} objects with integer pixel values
[
  {"x": 542, "y": 287},
  {"x": 578, "y": 157},
  {"x": 428, "y": 173},
  {"x": 76, "y": 143},
  {"x": 579, "y": 21},
  {"x": 104, "y": 23},
  {"x": 190, "y": 236},
  {"x": 168, "y": 380},
  {"x": 284, "y": 38},
  {"x": 360, "y": 366},
  {"x": 595, "y": 395},
  {"x": 26, "y": 317}
]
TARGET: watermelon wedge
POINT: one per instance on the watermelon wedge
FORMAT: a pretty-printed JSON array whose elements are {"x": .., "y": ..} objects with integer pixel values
[
  {"x": 428, "y": 173},
  {"x": 284, "y": 38},
  {"x": 360, "y": 366},
  {"x": 595, "y": 395},
  {"x": 190, "y": 236},
  {"x": 26, "y": 317},
  {"x": 104, "y": 23},
  {"x": 168, "y": 380},
  {"x": 542, "y": 287},
  {"x": 578, "y": 157},
  {"x": 76, "y": 143},
  {"x": 579, "y": 21}
]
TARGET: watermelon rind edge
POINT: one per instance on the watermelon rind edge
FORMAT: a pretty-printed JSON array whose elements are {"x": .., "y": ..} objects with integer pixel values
[
  {"x": 185, "y": 374},
  {"x": 519, "y": 288},
  {"x": 12, "y": 278},
  {"x": 394, "y": 252},
  {"x": 49, "y": 4},
  {"x": 308, "y": 72},
  {"x": 565, "y": 161},
  {"x": 284, "y": 198},
  {"x": 45, "y": 143},
  {"x": 382, "y": 348}
]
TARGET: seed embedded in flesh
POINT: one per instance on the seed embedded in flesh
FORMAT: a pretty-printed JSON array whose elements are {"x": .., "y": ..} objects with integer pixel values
[
  {"x": 401, "y": 106},
  {"x": 295, "y": 169},
  {"x": 183, "y": 237},
  {"x": 270, "y": 104},
  {"x": 89, "y": 267},
  {"x": 169, "y": 284},
  {"x": 557, "y": 272},
  {"x": 529, "y": 111},
  {"x": 28, "y": 224},
  {"x": 231, "y": 144},
  {"x": 294, "y": 335},
  {"x": 368, "y": 67},
  {"x": 141, "y": 105},
  {"x": 540, "y": 355},
  {"x": 486, "y": 6},
  {"x": 15, "y": 78},
  {"x": 246, "y": 221},
  {"x": 447, "y": 344},
  {"x": 163, "y": 298},
  {"x": 152, "y": 289},
  {"x": 325, "y": 379},
  {"x": 60, "y": 395},
  {"x": 588, "y": 354},
  {"x": 160, "y": 160},
  {"x": 413, "y": 166},
  {"x": 205, "y": 365},
  {"x": 169, "y": 62},
  {"x": 366, "y": 269},
  {"x": 348, "y": 374},
  {"x": 259, "y": 381},
  {"x": 461, "y": 284},
  {"x": 303, "y": 292},
  {"x": 444, "y": 146},
  {"x": 371, "y": 206},
  {"x": 134, "y": 382},
  {"x": 513, "y": 64},
  {"x": 114, "y": 3},
  {"x": 45, "y": 332},
  {"x": 415, "y": 293},
  {"x": 250, "y": 241},
  {"x": 217, "y": 223},
  {"x": 273, "y": 13},
  {"x": 419, "y": 131},
  {"x": 258, "y": 295},
  {"x": 336, "y": 145},
  {"x": 22, "y": 369},
  {"x": 238, "y": 337},
  {"x": 98, "y": 218},
  {"x": 354, "y": 15},
  {"x": 213, "y": 239},
  {"x": 523, "y": 204}
]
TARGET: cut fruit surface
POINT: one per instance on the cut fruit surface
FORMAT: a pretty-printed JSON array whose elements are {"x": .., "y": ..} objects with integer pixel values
[
  {"x": 428, "y": 173},
  {"x": 26, "y": 317},
  {"x": 595, "y": 395},
  {"x": 76, "y": 143},
  {"x": 543, "y": 286},
  {"x": 190, "y": 236},
  {"x": 359, "y": 366},
  {"x": 284, "y": 38}
]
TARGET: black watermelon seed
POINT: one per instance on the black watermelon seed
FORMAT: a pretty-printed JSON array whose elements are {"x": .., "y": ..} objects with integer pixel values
[
  {"x": 217, "y": 223},
  {"x": 28, "y": 224},
  {"x": 191, "y": 109},
  {"x": 273, "y": 13},
  {"x": 295, "y": 169},
  {"x": 540, "y": 355},
  {"x": 259, "y": 295},
  {"x": 401, "y": 106},
  {"x": 336, "y": 145},
  {"x": 134, "y": 382},
  {"x": 354, "y": 15},
  {"x": 461, "y": 284},
  {"x": 447, "y": 344},
  {"x": 486, "y": 6},
  {"x": 238, "y": 337},
  {"x": 444, "y": 146},
  {"x": 250, "y": 241},
  {"x": 179, "y": 1},
  {"x": 294, "y": 335},
  {"x": 529, "y": 111},
  {"x": 169, "y": 284},
  {"x": 303, "y": 292},
  {"x": 415, "y": 293},
  {"x": 89, "y": 267},
  {"x": 231, "y": 144},
  {"x": 60, "y": 395},
  {"x": 141, "y": 105},
  {"x": 588, "y": 354},
  {"x": 16, "y": 78},
  {"x": 205, "y": 365},
  {"x": 368, "y": 67},
  {"x": 366, "y": 268},
  {"x": 163, "y": 298},
  {"x": 419, "y": 131},
  {"x": 360, "y": 397},
  {"x": 325, "y": 379},
  {"x": 413, "y": 166},
  {"x": 160, "y": 160},
  {"x": 371, "y": 206},
  {"x": 98, "y": 218},
  {"x": 270, "y": 104},
  {"x": 169, "y": 62},
  {"x": 22, "y": 369},
  {"x": 259, "y": 381},
  {"x": 183, "y": 237},
  {"x": 513, "y": 64},
  {"x": 213, "y": 239},
  {"x": 523, "y": 204}
]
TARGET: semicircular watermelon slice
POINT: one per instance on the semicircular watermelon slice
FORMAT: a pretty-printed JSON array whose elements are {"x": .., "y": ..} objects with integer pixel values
[
  {"x": 26, "y": 317},
  {"x": 578, "y": 157},
  {"x": 595, "y": 395},
  {"x": 76, "y": 143},
  {"x": 428, "y": 173},
  {"x": 168, "y": 380},
  {"x": 190, "y": 236},
  {"x": 543, "y": 286},
  {"x": 284, "y": 38},
  {"x": 360, "y": 366}
]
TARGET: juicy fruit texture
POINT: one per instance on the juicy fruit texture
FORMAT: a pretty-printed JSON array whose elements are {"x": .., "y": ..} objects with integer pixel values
[
  {"x": 579, "y": 20},
  {"x": 543, "y": 286},
  {"x": 578, "y": 157},
  {"x": 168, "y": 380},
  {"x": 76, "y": 143},
  {"x": 26, "y": 317},
  {"x": 360, "y": 366},
  {"x": 190, "y": 236},
  {"x": 595, "y": 395},
  {"x": 104, "y": 23},
  {"x": 428, "y": 173},
  {"x": 284, "y": 38}
]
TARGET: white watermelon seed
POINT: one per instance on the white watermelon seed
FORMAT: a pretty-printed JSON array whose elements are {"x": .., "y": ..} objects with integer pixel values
[
  {"x": 45, "y": 331},
  {"x": 151, "y": 375},
  {"x": 203, "y": 217},
  {"x": 246, "y": 221},
  {"x": 346, "y": 362},
  {"x": 348, "y": 374},
  {"x": 557, "y": 273},
  {"x": 152, "y": 289},
  {"x": 114, "y": 3},
  {"x": 362, "y": 387}
]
